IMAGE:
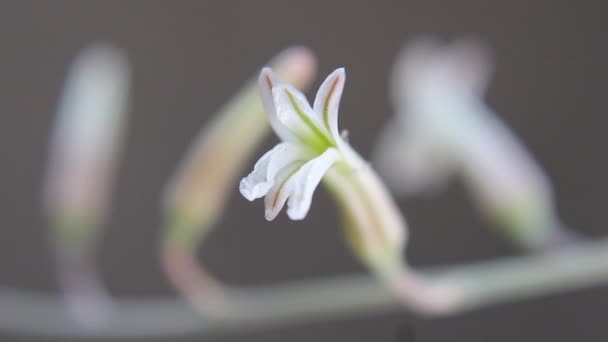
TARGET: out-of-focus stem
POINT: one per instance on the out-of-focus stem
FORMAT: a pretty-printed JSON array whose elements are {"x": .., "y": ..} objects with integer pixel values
[
  {"x": 478, "y": 285},
  {"x": 200, "y": 188},
  {"x": 575, "y": 266},
  {"x": 84, "y": 151}
]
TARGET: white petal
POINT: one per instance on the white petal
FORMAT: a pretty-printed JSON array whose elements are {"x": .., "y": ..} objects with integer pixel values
[
  {"x": 293, "y": 110},
  {"x": 306, "y": 181},
  {"x": 298, "y": 183},
  {"x": 258, "y": 182},
  {"x": 266, "y": 81},
  {"x": 277, "y": 196},
  {"x": 327, "y": 101}
]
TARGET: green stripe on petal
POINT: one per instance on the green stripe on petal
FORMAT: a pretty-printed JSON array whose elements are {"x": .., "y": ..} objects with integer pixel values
[
  {"x": 327, "y": 101},
  {"x": 320, "y": 135},
  {"x": 295, "y": 113}
]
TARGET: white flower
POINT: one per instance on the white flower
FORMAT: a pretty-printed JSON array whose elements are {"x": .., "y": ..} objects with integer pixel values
[
  {"x": 312, "y": 149},
  {"x": 312, "y": 144}
]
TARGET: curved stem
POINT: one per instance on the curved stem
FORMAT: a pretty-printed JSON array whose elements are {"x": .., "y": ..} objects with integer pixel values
[
  {"x": 22, "y": 312},
  {"x": 191, "y": 279},
  {"x": 200, "y": 188}
]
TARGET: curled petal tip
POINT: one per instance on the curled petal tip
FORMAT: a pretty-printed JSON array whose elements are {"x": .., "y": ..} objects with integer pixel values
[
  {"x": 340, "y": 71},
  {"x": 297, "y": 214},
  {"x": 270, "y": 214},
  {"x": 267, "y": 79},
  {"x": 338, "y": 75},
  {"x": 249, "y": 191},
  {"x": 266, "y": 71}
]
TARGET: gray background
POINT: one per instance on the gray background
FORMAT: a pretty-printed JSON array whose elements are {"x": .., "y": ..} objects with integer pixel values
[{"x": 189, "y": 56}]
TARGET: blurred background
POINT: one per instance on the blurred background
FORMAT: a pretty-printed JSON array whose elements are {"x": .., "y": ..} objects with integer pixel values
[{"x": 189, "y": 57}]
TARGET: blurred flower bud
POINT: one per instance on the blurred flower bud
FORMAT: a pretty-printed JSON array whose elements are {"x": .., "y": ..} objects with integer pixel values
[
  {"x": 445, "y": 127},
  {"x": 86, "y": 143}
]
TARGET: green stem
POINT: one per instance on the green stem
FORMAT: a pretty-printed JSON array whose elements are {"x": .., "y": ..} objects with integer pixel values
[{"x": 480, "y": 284}]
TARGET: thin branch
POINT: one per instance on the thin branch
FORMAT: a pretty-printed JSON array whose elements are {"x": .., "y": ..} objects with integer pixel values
[
  {"x": 580, "y": 265},
  {"x": 481, "y": 284},
  {"x": 27, "y": 313}
]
